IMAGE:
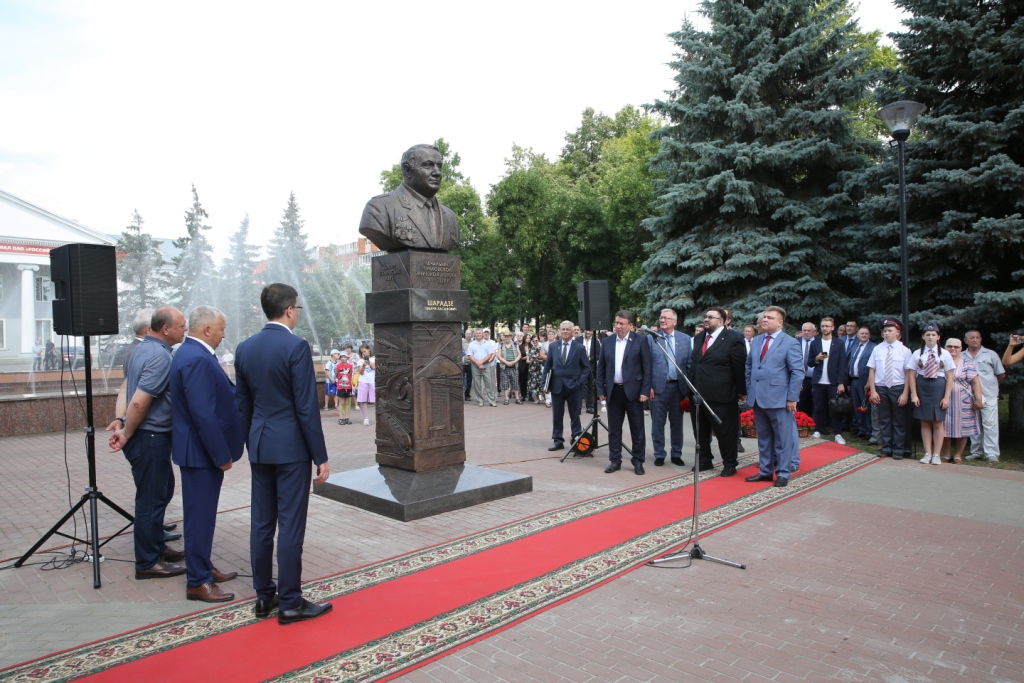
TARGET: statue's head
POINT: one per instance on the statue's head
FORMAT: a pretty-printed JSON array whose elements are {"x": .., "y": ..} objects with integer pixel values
[{"x": 421, "y": 169}]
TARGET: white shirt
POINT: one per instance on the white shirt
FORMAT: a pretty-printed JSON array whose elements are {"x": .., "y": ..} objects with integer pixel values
[
  {"x": 826, "y": 346},
  {"x": 620, "y": 351},
  {"x": 902, "y": 357},
  {"x": 988, "y": 365},
  {"x": 856, "y": 360},
  {"x": 713, "y": 336},
  {"x": 208, "y": 347},
  {"x": 942, "y": 357},
  {"x": 271, "y": 322}
]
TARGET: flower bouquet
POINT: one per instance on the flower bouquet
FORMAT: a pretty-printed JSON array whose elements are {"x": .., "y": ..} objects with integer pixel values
[
  {"x": 684, "y": 405},
  {"x": 804, "y": 424},
  {"x": 747, "y": 424},
  {"x": 866, "y": 406}
]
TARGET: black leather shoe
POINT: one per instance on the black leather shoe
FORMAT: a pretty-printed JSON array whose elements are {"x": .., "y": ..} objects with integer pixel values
[
  {"x": 728, "y": 471},
  {"x": 678, "y": 461},
  {"x": 703, "y": 468},
  {"x": 263, "y": 608},
  {"x": 614, "y": 467},
  {"x": 557, "y": 447},
  {"x": 781, "y": 482},
  {"x": 590, "y": 411},
  {"x": 170, "y": 527},
  {"x": 638, "y": 468},
  {"x": 659, "y": 462},
  {"x": 307, "y": 610},
  {"x": 759, "y": 477},
  {"x": 740, "y": 448},
  {"x": 172, "y": 555},
  {"x": 171, "y": 537}
]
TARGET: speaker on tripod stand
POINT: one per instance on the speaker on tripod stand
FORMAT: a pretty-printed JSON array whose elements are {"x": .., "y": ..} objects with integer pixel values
[{"x": 84, "y": 304}]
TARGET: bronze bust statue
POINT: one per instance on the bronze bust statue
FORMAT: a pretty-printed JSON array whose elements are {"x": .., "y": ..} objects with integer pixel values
[{"x": 411, "y": 216}]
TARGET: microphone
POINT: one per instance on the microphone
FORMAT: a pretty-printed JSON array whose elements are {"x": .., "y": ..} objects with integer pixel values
[{"x": 654, "y": 333}]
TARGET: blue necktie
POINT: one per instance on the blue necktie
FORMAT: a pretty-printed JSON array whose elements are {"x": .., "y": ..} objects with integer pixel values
[{"x": 672, "y": 352}]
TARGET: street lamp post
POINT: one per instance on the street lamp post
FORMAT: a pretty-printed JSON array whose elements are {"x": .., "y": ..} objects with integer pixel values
[
  {"x": 900, "y": 118},
  {"x": 519, "y": 286}
]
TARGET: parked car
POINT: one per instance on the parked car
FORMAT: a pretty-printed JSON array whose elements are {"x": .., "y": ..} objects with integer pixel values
[{"x": 73, "y": 357}]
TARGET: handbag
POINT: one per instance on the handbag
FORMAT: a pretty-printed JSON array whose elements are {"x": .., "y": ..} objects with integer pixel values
[{"x": 840, "y": 406}]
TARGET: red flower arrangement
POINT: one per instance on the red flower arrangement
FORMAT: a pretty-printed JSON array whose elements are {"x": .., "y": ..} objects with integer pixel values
[
  {"x": 747, "y": 418},
  {"x": 866, "y": 406},
  {"x": 684, "y": 405},
  {"x": 803, "y": 421}
]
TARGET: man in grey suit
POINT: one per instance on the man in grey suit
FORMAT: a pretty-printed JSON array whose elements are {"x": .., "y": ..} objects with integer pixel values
[
  {"x": 568, "y": 367},
  {"x": 411, "y": 216},
  {"x": 775, "y": 372},
  {"x": 667, "y": 387}
]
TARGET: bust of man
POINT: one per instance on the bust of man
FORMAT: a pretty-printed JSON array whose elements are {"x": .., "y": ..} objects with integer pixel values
[{"x": 411, "y": 216}]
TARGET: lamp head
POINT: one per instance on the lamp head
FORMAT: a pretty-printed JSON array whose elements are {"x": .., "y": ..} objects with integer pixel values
[{"x": 900, "y": 117}]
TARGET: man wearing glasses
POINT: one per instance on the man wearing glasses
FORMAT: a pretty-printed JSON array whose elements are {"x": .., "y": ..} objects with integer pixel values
[
  {"x": 667, "y": 387},
  {"x": 718, "y": 373}
]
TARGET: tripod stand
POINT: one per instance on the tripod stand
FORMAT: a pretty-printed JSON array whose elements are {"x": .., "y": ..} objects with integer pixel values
[
  {"x": 696, "y": 553},
  {"x": 92, "y": 494},
  {"x": 584, "y": 445}
]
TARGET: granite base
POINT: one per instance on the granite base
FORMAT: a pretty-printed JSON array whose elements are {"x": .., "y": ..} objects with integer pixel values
[{"x": 405, "y": 496}]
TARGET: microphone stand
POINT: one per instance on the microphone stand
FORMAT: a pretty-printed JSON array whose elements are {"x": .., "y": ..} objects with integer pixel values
[{"x": 696, "y": 553}]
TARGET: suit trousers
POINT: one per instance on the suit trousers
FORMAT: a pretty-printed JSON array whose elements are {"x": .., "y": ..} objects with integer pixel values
[
  {"x": 200, "y": 493},
  {"x": 483, "y": 385},
  {"x": 620, "y": 407},
  {"x": 805, "y": 404},
  {"x": 823, "y": 393},
  {"x": 467, "y": 379},
  {"x": 861, "y": 421},
  {"x": 893, "y": 420},
  {"x": 280, "y": 500},
  {"x": 149, "y": 454},
  {"x": 726, "y": 433},
  {"x": 777, "y": 441},
  {"x": 666, "y": 405},
  {"x": 559, "y": 401},
  {"x": 986, "y": 443}
]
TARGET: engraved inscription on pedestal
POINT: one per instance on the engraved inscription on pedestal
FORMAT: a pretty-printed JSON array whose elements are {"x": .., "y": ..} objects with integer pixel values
[{"x": 410, "y": 269}]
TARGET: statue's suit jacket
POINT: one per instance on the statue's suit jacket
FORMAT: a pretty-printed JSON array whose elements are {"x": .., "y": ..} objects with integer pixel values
[{"x": 399, "y": 220}]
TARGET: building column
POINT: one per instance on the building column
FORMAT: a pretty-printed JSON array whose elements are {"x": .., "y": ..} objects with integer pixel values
[{"x": 28, "y": 307}]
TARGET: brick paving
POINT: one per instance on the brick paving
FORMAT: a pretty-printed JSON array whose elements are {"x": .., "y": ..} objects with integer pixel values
[{"x": 899, "y": 572}]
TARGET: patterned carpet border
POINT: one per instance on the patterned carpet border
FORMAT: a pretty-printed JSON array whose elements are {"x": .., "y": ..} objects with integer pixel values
[{"x": 388, "y": 656}]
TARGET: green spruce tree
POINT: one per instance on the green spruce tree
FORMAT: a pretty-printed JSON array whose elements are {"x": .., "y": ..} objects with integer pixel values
[
  {"x": 140, "y": 272},
  {"x": 759, "y": 137},
  {"x": 194, "y": 281},
  {"x": 240, "y": 287},
  {"x": 290, "y": 262}
]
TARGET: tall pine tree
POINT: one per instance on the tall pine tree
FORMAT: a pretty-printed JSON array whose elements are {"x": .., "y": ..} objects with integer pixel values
[
  {"x": 140, "y": 272},
  {"x": 290, "y": 260},
  {"x": 759, "y": 137},
  {"x": 194, "y": 281},
  {"x": 240, "y": 287}
]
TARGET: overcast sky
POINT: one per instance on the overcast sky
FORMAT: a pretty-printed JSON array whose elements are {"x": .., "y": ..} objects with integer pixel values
[{"x": 106, "y": 107}]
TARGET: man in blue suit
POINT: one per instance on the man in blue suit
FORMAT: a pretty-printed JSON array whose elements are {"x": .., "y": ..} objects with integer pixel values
[
  {"x": 857, "y": 369},
  {"x": 668, "y": 387},
  {"x": 624, "y": 381},
  {"x": 568, "y": 368},
  {"x": 276, "y": 389},
  {"x": 206, "y": 438},
  {"x": 828, "y": 355},
  {"x": 775, "y": 373}
]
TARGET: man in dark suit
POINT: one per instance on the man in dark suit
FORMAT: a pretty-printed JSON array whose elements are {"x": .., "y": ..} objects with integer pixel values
[
  {"x": 205, "y": 440},
  {"x": 592, "y": 348},
  {"x": 774, "y": 375},
  {"x": 829, "y": 378},
  {"x": 716, "y": 370},
  {"x": 281, "y": 422},
  {"x": 857, "y": 368},
  {"x": 668, "y": 387},
  {"x": 808, "y": 332},
  {"x": 568, "y": 367},
  {"x": 624, "y": 381},
  {"x": 411, "y": 216}
]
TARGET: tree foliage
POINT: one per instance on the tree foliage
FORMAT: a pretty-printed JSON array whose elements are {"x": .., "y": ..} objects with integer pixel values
[
  {"x": 758, "y": 141},
  {"x": 195, "y": 278},
  {"x": 240, "y": 287},
  {"x": 140, "y": 272}
]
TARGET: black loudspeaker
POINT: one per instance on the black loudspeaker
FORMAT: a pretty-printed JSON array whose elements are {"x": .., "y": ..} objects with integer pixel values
[
  {"x": 85, "y": 289},
  {"x": 595, "y": 311}
]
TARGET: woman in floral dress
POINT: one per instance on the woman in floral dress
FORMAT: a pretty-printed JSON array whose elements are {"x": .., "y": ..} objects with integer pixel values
[
  {"x": 961, "y": 420},
  {"x": 536, "y": 359}
]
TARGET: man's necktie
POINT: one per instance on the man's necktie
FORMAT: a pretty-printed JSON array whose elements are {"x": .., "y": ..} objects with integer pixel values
[
  {"x": 931, "y": 366},
  {"x": 764, "y": 349},
  {"x": 707, "y": 342},
  {"x": 890, "y": 368},
  {"x": 672, "y": 352},
  {"x": 565, "y": 353}
]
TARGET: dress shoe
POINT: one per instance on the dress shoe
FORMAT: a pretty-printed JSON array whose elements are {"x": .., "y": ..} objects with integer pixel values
[
  {"x": 703, "y": 468},
  {"x": 759, "y": 477},
  {"x": 678, "y": 461},
  {"x": 172, "y": 555},
  {"x": 897, "y": 456},
  {"x": 614, "y": 467},
  {"x": 209, "y": 592},
  {"x": 740, "y": 448},
  {"x": 263, "y": 608},
  {"x": 221, "y": 577},
  {"x": 781, "y": 482},
  {"x": 307, "y": 610},
  {"x": 171, "y": 537},
  {"x": 170, "y": 527},
  {"x": 557, "y": 447},
  {"x": 638, "y": 468},
  {"x": 658, "y": 462},
  {"x": 590, "y": 411},
  {"x": 728, "y": 471},
  {"x": 160, "y": 570}
]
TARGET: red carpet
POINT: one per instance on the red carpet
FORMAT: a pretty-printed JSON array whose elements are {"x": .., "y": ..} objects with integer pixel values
[{"x": 428, "y": 607}]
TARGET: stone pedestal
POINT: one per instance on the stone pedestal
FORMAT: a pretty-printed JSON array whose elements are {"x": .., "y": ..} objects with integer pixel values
[{"x": 417, "y": 309}]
